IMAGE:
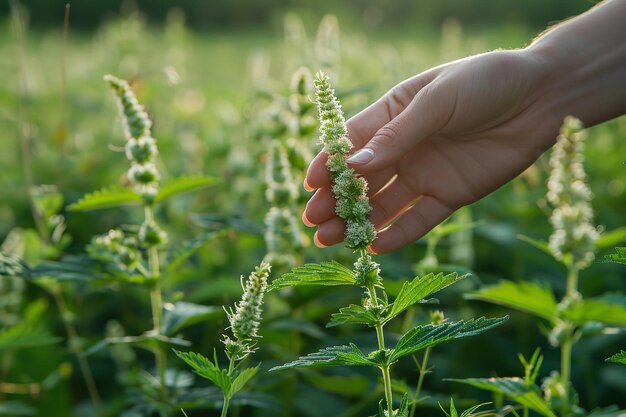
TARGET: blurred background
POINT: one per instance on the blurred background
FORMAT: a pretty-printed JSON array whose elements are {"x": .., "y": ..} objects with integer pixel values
[{"x": 217, "y": 78}]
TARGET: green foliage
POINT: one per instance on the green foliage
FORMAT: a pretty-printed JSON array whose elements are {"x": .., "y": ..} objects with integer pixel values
[
  {"x": 180, "y": 185},
  {"x": 207, "y": 369},
  {"x": 333, "y": 356},
  {"x": 524, "y": 296},
  {"x": 515, "y": 389},
  {"x": 466, "y": 413},
  {"x": 183, "y": 314},
  {"x": 354, "y": 314},
  {"x": 421, "y": 337},
  {"x": 610, "y": 310},
  {"x": 418, "y": 289},
  {"x": 112, "y": 196},
  {"x": 21, "y": 337},
  {"x": 618, "y": 257},
  {"x": 618, "y": 358},
  {"x": 325, "y": 273}
]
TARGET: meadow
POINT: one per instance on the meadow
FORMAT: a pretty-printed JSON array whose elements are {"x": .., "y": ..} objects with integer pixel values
[{"x": 233, "y": 116}]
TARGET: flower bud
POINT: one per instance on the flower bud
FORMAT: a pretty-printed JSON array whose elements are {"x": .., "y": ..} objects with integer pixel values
[
  {"x": 143, "y": 173},
  {"x": 150, "y": 234},
  {"x": 141, "y": 150}
]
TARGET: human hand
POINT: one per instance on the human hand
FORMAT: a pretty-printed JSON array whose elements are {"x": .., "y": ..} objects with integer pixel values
[{"x": 438, "y": 141}]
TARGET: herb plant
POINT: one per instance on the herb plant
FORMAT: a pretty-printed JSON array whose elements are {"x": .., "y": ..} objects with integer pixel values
[{"x": 375, "y": 309}]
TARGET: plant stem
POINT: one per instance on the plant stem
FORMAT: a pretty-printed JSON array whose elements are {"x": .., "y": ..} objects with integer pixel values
[
  {"x": 566, "y": 346},
  {"x": 74, "y": 345},
  {"x": 231, "y": 368},
  {"x": 156, "y": 302},
  {"x": 381, "y": 345},
  {"x": 420, "y": 381}
]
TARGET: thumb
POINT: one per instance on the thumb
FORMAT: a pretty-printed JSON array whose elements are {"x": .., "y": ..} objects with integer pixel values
[{"x": 392, "y": 141}]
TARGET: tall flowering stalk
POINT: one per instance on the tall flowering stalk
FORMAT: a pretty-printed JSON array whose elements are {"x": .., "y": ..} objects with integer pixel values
[
  {"x": 375, "y": 309},
  {"x": 573, "y": 237},
  {"x": 245, "y": 320},
  {"x": 141, "y": 150}
]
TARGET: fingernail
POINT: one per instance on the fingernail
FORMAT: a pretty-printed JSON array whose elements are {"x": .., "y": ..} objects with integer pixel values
[
  {"x": 307, "y": 186},
  {"x": 317, "y": 242},
  {"x": 361, "y": 157},
  {"x": 306, "y": 221}
]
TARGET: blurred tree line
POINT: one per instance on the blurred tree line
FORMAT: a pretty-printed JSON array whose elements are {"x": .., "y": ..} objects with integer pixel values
[{"x": 213, "y": 14}]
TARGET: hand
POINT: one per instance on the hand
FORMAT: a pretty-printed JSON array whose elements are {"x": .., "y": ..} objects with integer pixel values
[{"x": 438, "y": 141}]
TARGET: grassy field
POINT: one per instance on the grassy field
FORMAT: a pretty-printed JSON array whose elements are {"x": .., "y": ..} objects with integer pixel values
[{"x": 215, "y": 99}]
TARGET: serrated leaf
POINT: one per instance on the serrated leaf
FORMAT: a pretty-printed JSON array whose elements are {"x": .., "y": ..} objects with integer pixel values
[
  {"x": 524, "y": 296},
  {"x": 353, "y": 314},
  {"x": 112, "y": 196},
  {"x": 182, "y": 314},
  {"x": 539, "y": 244},
  {"x": 611, "y": 238},
  {"x": 206, "y": 369},
  {"x": 326, "y": 273},
  {"x": 183, "y": 250},
  {"x": 21, "y": 337},
  {"x": 421, "y": 337},
  {"x": 181, "y": 185},
  {"x": 610, "y": 310},
  {"x": 618, "y": 358},
  {"x": 618, "y": 257},
  {"x": 418, "y": 289},
  {"x": 331, "y": 356},
  {"x": 242, "y": 379},
  {"x": 514, "y": 389}
]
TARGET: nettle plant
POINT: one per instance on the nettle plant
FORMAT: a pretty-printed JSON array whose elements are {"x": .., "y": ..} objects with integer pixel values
[
  {"x": 244, "y": 325},
  {"x": 134, "y": 254},
  {"x": 375, "y": 309},
  {"x": 573, "y": 243}
]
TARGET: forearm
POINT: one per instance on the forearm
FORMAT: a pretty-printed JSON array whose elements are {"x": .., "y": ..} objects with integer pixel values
[{"x": 585, "y": 61}]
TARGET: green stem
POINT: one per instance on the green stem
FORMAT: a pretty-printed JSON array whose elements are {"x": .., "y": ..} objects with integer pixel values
[
  {"x": 423, "y": 371},
  {"x": 566, "y": 346},
  {"x": 156, "y": 303},
  {"x": 231, "y": 369},
  {"x": 381, "y": 345}
]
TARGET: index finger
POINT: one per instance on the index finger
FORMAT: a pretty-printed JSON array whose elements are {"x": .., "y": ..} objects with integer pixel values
[{"x": 364, "y": 125}]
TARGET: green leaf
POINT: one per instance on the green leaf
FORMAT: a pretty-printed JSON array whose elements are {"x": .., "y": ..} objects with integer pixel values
[
  {"x": 618, "y": 358},
  {"x": 331, "y": 356},
  {"x": 353, "y": 314},
  {"x": 611, "y": 238},
  {"x": 539, "y": 244},
  {"x": 182, "y": 251},
  {"x": 513, "y": 388},
  {"x": 207, "y": 369},
  {"x": 242, "y": 379},
  {"x": 610, "y": 309},
  {"x": 112, "y": 196},
  {"x": 421, "y": 337},
  {"x": 182, "y": 314},
  {"x": 181, "y": 185},
  {"x": 20, "y": 337},
  {"x": 326, "y": 273},
  {"x": 618, "y": 257},
  {"x": 418, "y": 289},
  {"x": 524, "y": 296}
]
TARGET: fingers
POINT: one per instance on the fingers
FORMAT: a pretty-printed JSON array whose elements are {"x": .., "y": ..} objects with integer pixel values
[
  {"x": 363, "y": 126},
  {"x": 425, "y": 115},
  {"x": 425, "y": 214}
]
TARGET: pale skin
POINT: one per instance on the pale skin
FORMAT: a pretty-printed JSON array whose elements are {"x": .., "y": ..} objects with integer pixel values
[{"x": 451, "y": 135}]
